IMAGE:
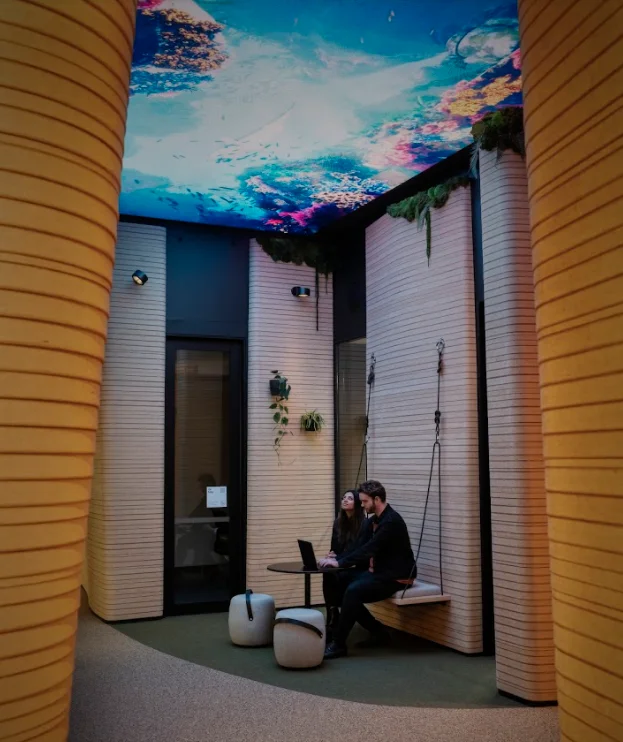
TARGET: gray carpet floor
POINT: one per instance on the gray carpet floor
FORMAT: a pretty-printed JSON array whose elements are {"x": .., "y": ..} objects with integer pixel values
[
  {"x": 125, "y": 691},
  {"x": 410, "y": 672}
]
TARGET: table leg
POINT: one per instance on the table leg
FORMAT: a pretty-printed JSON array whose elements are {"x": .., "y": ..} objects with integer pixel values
[{"x": 307, "y": 591}]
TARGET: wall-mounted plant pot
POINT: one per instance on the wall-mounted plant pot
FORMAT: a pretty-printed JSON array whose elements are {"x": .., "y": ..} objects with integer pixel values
[
  {"x": 311, "y": 422},
  {"x": 275, "y": 387}
]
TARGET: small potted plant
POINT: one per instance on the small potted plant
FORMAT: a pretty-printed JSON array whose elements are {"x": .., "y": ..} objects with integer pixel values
[
  {"x": 280, "y": 390},
  {"x": 312, "y": 422},
  {"x": 278, "y": 385}
]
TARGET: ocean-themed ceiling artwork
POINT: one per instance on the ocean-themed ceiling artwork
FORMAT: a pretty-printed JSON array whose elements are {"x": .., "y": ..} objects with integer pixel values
[{"x": 285, "y": 115}]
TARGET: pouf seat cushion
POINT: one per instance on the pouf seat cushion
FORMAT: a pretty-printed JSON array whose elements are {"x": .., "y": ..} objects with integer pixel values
[
  {"x": 251, "y": 618},
  {"x": 299, "y": 638}
]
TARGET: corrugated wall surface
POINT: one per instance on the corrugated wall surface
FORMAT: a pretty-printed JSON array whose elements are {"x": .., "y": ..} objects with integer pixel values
[
  {"x": 294, "y": 498},
  {"x": 125, "y": 544},
  {"x": 410, "y": 306},
  {"x": 64, "y": 80},
  {"x": 573, "y": 83},
  {"x": 521, "y": 579}
]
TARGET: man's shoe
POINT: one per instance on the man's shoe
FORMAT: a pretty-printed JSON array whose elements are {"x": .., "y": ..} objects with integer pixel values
[
  {"x": 333, "y": 618},
  {"x": 335, "y": 650},
  {"x": 380, "y": 639}
]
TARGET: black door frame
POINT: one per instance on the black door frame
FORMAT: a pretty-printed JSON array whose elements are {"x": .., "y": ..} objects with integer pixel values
[
  {"x": 237, "y": 479},
  {"x": 486, "y": 538}
]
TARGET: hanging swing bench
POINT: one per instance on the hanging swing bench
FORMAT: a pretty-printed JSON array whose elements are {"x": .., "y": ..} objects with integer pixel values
[{"x": 417, "y": 592}]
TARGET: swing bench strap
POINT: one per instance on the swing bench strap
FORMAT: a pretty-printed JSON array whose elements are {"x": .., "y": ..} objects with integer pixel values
[
  {"x": 436, "y": 454},
  {"x": 363, "y": 460}
]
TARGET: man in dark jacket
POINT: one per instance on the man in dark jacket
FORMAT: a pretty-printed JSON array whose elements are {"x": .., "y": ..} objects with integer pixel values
[{"x": 384, "y": 561}]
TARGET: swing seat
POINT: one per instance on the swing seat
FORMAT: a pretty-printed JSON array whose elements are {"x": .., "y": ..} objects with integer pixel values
[{"x": 420, "y": 592}]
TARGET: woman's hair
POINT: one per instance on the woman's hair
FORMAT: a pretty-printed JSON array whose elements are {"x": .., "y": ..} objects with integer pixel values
[{"x": 348, "y": 528}]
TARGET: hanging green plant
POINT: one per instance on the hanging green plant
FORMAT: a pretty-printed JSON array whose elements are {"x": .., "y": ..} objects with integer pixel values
[
  {"x": 300, "y": 251},
  {"x": 280, "y": 390},
  {"x": 499, "y": 131},
  {"x": 417, "y": 208},
  {"x": 312, "y": 422}
]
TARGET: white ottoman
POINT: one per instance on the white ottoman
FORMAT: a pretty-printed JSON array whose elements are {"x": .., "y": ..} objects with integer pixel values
[
  {"x": 251, "y": 618},
  {"x": 299, "y": 638}
]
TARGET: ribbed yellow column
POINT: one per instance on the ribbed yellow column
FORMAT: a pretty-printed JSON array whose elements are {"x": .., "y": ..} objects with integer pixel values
[
  {"x": 573, "y": 82},
  {"x": 64, "y": 72}
]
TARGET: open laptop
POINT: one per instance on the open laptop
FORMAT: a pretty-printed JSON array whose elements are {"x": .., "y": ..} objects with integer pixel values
[{"x": 308, "y": 556}]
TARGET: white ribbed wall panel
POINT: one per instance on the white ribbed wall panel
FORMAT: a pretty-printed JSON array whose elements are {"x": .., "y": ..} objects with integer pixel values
[
  {"x": 125, "y": 542},
  {"x": 521, "y": 570},
  {"x": 409, "y": 307},
  {"x": 294, "y": 499}
]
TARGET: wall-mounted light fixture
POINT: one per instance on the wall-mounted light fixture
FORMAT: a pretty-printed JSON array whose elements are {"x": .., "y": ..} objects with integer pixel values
[
  {"x": 139, "y": 278},
  {"x": 301, "y": 292}
]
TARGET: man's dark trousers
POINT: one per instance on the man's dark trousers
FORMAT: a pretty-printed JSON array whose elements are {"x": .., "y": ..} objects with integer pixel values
[{"x": 353, "y": 589}]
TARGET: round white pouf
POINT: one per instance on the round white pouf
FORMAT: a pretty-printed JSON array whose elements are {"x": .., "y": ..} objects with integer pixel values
[
  {"x": 297, "y": 645},
  {"x": 258, "y": 631}
]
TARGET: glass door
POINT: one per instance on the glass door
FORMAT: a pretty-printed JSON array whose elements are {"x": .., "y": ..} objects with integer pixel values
[
  {"x": 352, "y": 390},
  {"x": 204, "y": 540}
]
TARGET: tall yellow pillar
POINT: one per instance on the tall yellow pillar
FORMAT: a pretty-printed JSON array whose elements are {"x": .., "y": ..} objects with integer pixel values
[
  {"x": 573, "y": 87},
  {"x": 64, "y": 73}
]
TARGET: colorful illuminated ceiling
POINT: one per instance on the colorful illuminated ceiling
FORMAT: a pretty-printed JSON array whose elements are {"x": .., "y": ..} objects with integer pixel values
[{"x": 287, "y": 114}]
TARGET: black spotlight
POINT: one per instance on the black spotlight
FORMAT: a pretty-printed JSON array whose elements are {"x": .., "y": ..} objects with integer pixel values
[
  {"x": 301, "y": 292},
  {"x": 139, "y": 278}
]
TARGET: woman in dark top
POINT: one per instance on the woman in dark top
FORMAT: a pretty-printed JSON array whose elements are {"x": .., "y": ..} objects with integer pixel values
[{"x": 346, "y": 530}]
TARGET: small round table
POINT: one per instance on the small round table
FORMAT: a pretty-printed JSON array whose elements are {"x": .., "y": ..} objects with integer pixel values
[{"x": 297, "y": 568}]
